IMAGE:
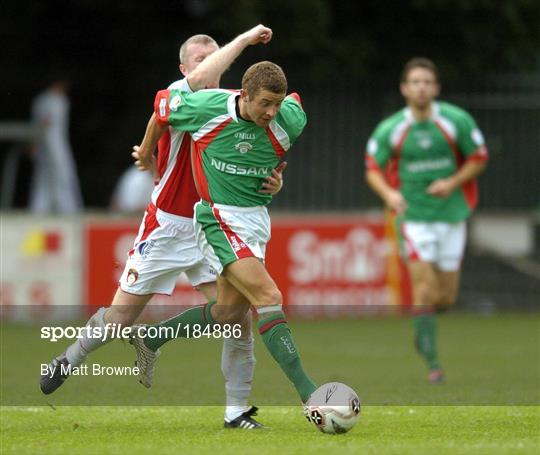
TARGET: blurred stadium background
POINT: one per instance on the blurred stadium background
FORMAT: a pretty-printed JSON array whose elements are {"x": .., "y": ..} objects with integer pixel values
[
  {"x": 343, "y": 57},
  {"x": 332, "y": 248},
  {"x": 331, "y": 242}
]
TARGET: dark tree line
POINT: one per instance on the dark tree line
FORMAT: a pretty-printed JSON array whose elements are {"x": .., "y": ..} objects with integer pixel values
[{"x": 119, "y": 52}]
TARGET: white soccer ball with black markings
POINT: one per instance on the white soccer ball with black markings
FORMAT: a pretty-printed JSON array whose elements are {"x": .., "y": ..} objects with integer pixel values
[{"x": 333, "y": 408}]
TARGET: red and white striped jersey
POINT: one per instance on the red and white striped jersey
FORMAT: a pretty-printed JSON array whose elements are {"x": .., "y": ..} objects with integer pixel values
[{"x": 176, "y": 192}]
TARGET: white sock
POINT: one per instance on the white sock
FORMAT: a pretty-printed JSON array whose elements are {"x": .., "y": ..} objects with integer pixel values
[
  {"x": 232, "y": 412},
  {"x": 237, "y": 365},
  {"x": 77, "y": 352}
]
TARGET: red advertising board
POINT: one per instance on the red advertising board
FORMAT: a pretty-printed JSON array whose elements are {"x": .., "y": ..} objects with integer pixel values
[
  {"x": 341, "y": 264},
  {"x": 337, "y": 263}
]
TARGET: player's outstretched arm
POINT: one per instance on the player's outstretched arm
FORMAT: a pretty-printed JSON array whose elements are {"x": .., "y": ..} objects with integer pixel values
[
  {"x": 213, "y": 66},
  {"x": 391, "y": 197}
]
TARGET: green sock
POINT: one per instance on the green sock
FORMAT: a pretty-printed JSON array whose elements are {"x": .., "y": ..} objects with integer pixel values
[
  {"x": 425, "y": 336},
  {"x": 279, "y": 341},
  {"x": 181, "y": 326}
]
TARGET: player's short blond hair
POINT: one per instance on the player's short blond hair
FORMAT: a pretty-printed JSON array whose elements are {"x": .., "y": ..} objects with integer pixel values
[
  {"x": 264, "y": 76},
  {"x": 195, "y": 39},
  {"x": 419, "y": 62}
]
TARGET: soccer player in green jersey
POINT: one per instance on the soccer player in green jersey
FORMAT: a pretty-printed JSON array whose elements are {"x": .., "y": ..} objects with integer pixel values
[
  {"x": 423, "y": 161},
  {"x": 238, "y": 138},
  {"x": 168, "y": 227}
]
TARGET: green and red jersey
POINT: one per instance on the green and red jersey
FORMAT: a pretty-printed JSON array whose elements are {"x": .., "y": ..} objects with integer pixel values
[
  {"x": 413, "y": 154},
  {"x": 231, "y": 157}
]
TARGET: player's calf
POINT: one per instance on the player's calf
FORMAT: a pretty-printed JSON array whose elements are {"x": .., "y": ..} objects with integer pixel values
[
  {"x": 122, "y": 315},
  {"x": 231, "y": 314},
  {"x": 278, "y": 339},
  {"x": 90, "y": 340}
]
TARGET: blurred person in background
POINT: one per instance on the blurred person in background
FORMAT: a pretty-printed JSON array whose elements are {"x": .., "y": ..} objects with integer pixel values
[
  {"x": 423, "y": 161},
  {"x": 55, "y": 185},
  {"x": 132, "y": 192}
]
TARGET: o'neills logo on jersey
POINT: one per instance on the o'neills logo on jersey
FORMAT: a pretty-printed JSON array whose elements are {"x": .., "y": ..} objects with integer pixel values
[
  {"x": 245, "y": 136},
  {"x": 230, "y": 168},
  {"x": 243, "y": 147}
]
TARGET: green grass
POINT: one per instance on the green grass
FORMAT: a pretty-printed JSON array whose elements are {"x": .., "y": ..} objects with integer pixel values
[
  {"x": 166, "y": 429},
  {"x": 490, "y": 403}
]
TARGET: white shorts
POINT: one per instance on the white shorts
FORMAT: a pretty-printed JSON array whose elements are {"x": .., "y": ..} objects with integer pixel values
[
  {"x": 440, "y": 243},
  {"x": 164, "y": 248},
  {"x": 227, "y": 233}
]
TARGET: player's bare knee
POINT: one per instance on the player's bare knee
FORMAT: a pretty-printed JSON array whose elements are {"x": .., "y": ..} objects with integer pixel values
[
  {"x": 426, "y": 294},
  {"x": 446, "y": 300},
  {"x": 270, "y": 297}
]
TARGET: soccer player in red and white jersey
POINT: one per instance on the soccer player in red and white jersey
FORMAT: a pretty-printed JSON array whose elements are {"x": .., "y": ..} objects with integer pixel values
[{"x": 165, "y": 245}]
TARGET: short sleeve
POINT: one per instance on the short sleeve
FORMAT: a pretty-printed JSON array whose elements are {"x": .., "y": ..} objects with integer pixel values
[
  {"x": 294, "y": 115},
  {"x": 378, "y": 150},
  {"x": 470, "y": 139},
  {"x": 177, "y": 109}
]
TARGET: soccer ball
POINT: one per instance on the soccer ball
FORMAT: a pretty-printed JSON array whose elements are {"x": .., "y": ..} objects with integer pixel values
[{"x": 333, "y": 408}]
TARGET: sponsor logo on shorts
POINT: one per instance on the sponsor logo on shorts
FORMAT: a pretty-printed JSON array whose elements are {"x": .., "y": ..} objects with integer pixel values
[
  {"x": 237, "y": 244},
  {"x": 132, "y": 277},
  {"x": 145, "y": 247}
]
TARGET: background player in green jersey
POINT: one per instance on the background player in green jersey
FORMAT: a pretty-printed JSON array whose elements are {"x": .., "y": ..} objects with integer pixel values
[
  {"x": 238, "y": 138},
  {"x": 422, "y": 161}
]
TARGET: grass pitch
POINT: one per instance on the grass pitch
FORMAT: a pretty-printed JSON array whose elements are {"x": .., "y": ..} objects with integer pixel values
[
  {"x": 490, "y": 404},
  {"x": 166, "y": 429}
]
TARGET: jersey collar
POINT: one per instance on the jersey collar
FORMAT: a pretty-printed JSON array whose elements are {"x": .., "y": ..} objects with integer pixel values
[
  {"x": 231, "y": 106},
  {"x": 435, "y": 113}
]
